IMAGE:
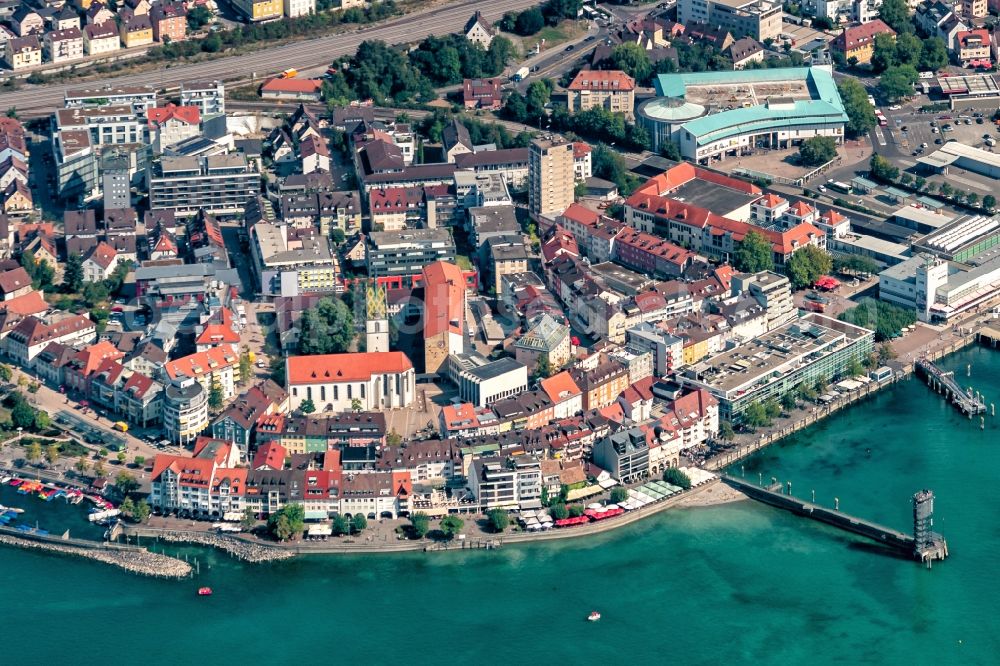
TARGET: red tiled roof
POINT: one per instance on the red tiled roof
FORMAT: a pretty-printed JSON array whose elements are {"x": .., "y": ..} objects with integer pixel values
[
  {"x": 201, "y": 363},
  {"x": 351, "y": 367},
  {"x": 579, "y": 213},
  {"x": 560, "y": 386},
  {"x": 292, "y": 85},
  {"x": 580, "y": 149},
  {"x": 13, "y": 280},
  {"x": 852, "y": 38},
  {"x": 26, "y": 304},
  {"x": 103, "y": 255},
  {"x": 219, "y": 332},
  {"x": 444, "y": 298},
  {"x": 161, "y": 114},
  {"x": 271, "y": 455},
  {"x": 596, "y": 79}
]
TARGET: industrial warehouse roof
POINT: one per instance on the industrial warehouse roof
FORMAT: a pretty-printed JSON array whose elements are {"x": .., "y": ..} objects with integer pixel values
[{"x": 823, "y": 107}]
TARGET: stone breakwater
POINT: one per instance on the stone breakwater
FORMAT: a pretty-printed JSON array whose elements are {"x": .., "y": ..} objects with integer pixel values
[
  {"x": 238, "y": 548},
  {"x": 137, "y": 561}
]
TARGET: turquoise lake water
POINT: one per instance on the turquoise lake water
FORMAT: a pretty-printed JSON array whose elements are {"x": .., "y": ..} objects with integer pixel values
[{"x": 731, "y": 584}]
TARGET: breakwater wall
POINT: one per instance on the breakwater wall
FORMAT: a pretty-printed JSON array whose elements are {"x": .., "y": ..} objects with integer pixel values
[
  {"x": 130, "y": 558},
  {"x": 887, "y": 536},
  {"x": 239, "y": 547}
]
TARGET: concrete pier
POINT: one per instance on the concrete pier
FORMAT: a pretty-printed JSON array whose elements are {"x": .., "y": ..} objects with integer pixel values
[
  {"x": 966, "y": 401},
  {"x": 923, "y": 545}
]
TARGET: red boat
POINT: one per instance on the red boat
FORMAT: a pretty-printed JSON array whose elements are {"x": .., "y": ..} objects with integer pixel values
[{"x": 204, "y": 591}]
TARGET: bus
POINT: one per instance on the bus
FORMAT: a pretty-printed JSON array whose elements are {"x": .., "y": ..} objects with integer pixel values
[
  {"x": 882, "y": 120},
  {"x": 839, "y": 186}
]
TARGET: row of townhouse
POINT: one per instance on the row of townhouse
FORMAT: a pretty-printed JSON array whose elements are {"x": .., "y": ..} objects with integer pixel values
[
  {"x": 209, "y": 484},
  {"x": 103, "y": 32}
]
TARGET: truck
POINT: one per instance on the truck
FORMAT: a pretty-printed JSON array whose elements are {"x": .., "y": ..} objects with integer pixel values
[
  {"x": 520, "y": 75},
  {"x": 121, "y": 426},
  {"x": 288, "y": 74}
]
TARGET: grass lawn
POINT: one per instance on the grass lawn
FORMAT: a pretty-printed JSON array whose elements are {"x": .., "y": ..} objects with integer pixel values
[{"x": 567, "y": 30}]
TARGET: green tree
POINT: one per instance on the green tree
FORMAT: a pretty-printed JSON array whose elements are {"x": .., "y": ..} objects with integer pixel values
[
  {"x": 909, "y": 49},
  {"x": 529, "y": 22},
  {"x": 807, "y": 264},
  {"x": 884, "y": 53},
  {"x": 885, "y": 318},
  {"x": 618, "y": 495},
  {"x": 359, "y": 522},
  {"x": 126, "y": 483},
  {"x": 82, "y": 465},
  {"x": 633, "y": 60},
  {"x": 499, "y": 520},
  {"x": 882, "y": 169},
  {"x": 340, "y": 525},
  {"x": 420, "y": 524},
  {"x": 755, "y": 416},
  {"x": 854, "y": 367},
  {"x": 676, "y": 477},
  {"x": 307, "y": 406},
  {"x": 22, "y": 415},
  {"x": 575, "y": 510},
  {"x": 326, "y": 329},
  {"x": 451, "y": 525},
  {"x": 5, "y": 372},
  {"x": 726, "y": 432},
  {"x": 393, "y": 438},
  {"x": 127, "y": 507},
  {"x": 281, "y": 528},
  {"x": 989, "y": 202},
  {"x": 558, "y": 511},
  {"x": 896, "y": 14},
  {"x": 933, "y": 54},
  {"x": 754, "y": 254},
  {"x": 972, "y": 199},
  {"x": 94, "y": 293},
  {"x": 139, "y": 461},
  {"x": 141, "y": 512},
  {"x": 121, "y": 457},
  {"x": 246, "y": 367},
  {"x": 73, "y": 273},
  {"x": 860, "y": 114},
  {"x": 788, "y": 401},
  {"x": 52, "y": 453},
  {"x": 248, "y": 520},
  {"x": 885, "y": 353},
  {"x": 198, "y": 17},
  {"x": 99, "y": 469},
  {"x": 215, "y": 399},
  {"x": 897, "y": 82},
  {"x": 33, "y": 452},
  {"x": 818, "y": 150},
  {"x": 772, "y": 408}
]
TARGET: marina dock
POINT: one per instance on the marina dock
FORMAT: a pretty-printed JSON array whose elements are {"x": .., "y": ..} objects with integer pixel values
[
  {"x": 946, "y": 384},
  {"x": 923, "y": 545}
]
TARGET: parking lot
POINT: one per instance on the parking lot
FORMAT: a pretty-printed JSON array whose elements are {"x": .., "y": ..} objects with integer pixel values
[{"x": 75, "y": 424}]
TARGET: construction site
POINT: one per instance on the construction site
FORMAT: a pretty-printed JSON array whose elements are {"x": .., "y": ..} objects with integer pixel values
[{"x": 726, "y": 97}]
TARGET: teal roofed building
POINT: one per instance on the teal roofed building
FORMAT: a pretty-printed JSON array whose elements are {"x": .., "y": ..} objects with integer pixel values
[{"x": 712, "y": 116}]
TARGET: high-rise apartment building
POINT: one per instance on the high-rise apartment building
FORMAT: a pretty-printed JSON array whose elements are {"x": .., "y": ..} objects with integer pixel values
[{"x": 550, "y": 177}]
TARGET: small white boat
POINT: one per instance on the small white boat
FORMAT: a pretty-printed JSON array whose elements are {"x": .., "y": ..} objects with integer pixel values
[
  {"x": 4, "y": 509},
  {"x": 594, "y": 616}
]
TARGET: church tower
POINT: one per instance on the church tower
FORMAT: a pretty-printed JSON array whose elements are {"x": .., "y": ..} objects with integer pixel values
[{"x": 376, "y": 319}]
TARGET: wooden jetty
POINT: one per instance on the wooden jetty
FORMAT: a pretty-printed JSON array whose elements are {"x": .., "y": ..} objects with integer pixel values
[
  {"x": 945, "y": 383},
  {"x": 923, "y": 545}
]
